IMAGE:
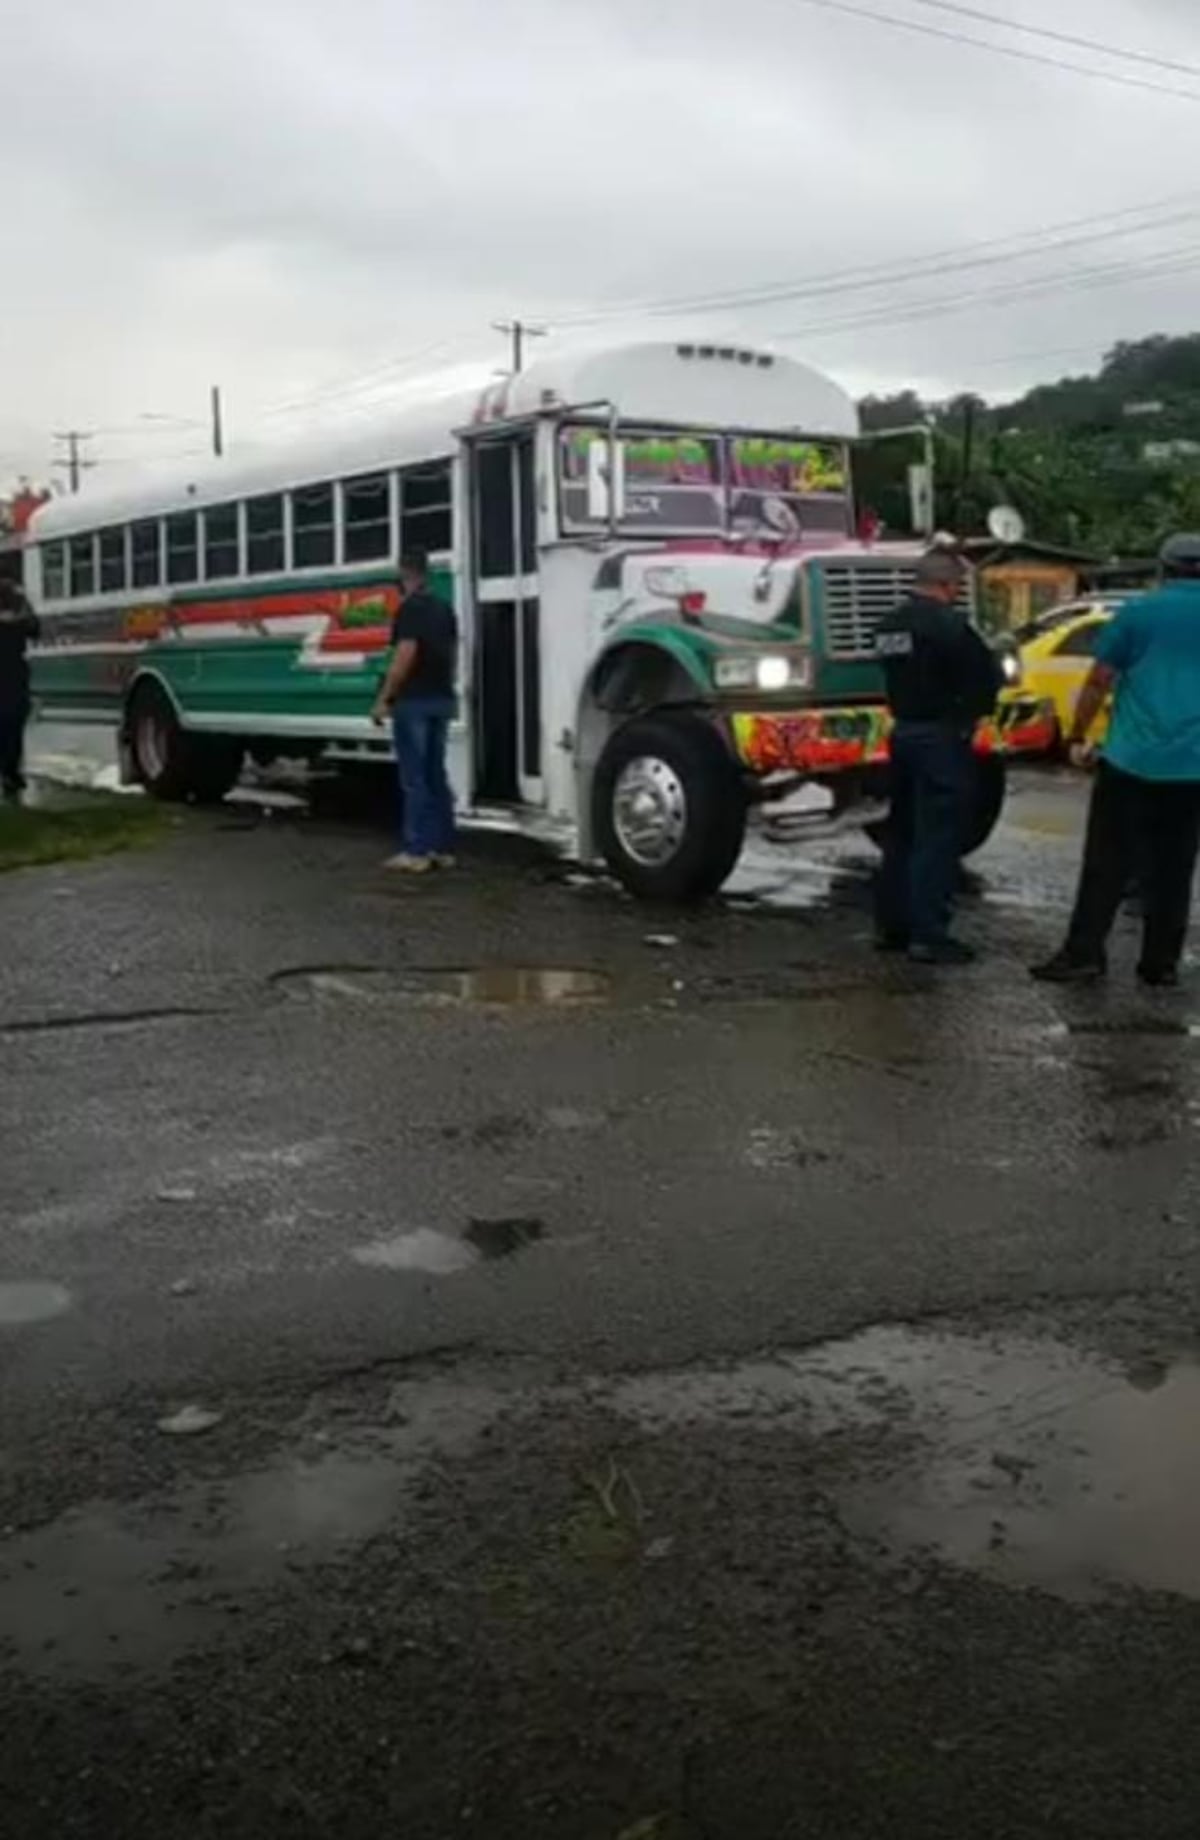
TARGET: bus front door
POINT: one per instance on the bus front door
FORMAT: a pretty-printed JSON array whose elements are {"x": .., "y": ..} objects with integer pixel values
[{"x": 504, "y": 594}]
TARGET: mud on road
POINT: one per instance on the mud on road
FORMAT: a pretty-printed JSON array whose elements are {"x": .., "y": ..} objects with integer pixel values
[{"x": 478, "y": 1358}]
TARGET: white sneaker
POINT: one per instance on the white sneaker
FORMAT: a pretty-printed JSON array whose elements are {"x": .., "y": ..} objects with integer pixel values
[{"x": 410, "y": 865}]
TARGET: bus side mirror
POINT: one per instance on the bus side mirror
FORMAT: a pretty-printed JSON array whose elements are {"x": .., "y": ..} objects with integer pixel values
[{"x": 606, "y": 481}]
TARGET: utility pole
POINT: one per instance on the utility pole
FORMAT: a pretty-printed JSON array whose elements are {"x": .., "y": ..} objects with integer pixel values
[
  {"x": 73, "y": 458},
  {"x": 218, "y": 434},
  {"x": 518, "y": 332},
  {"x": 966, "y": 459}
]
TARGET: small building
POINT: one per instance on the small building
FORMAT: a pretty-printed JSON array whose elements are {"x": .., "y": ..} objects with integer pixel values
[{"x": 1017, "y": 581}]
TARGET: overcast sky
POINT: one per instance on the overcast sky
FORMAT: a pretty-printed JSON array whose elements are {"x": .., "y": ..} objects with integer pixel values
[{"x": 308, "y": 200}]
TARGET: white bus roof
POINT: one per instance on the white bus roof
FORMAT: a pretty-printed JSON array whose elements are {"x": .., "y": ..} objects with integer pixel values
[{"x": 680, "y": 382}]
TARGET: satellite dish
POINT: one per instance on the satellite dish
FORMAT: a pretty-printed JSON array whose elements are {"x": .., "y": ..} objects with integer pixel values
[{"x": 1006, "y": 524}]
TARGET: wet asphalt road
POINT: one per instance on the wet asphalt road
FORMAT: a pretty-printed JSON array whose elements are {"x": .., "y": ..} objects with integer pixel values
[{"x": 481, "y": 1358}]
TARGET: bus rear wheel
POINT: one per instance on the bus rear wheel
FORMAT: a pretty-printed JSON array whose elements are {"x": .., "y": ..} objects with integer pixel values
[
  {"x": 173, "y": 765},
  {"x": 669, "y": 808}
]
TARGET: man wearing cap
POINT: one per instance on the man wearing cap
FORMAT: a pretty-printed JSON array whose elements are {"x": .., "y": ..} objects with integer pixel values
[
  {"x": 1144, "y": 816},
  {"x": 941, "y": 679}
]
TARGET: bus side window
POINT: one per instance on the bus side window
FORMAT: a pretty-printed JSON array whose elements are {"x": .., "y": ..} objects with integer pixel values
[
  {"x": 113, "y": 564},
  {"x": 83, "y": 566},
  {"x": 222, "y": 546},
  {"x": 264, "y": 534},
  {"x": 54, "y": 571},
  {"x": 312, "y": 527},
  {"x": 183, "y": 547},
  {"x": 368, "y": 518},
  {"x": 147, "y": 553},
  {"x": 425, "y": 518}
]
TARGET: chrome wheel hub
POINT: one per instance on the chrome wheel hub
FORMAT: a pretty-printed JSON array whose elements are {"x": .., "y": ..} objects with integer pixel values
[
  {"x": 649, "y": 810},
  {"x": 150, "y": 746}
]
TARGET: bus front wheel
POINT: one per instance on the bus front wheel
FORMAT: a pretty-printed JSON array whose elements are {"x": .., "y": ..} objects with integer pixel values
[
  {"x": 170, "y": 763},
  {"x": 669, "y": 809}
]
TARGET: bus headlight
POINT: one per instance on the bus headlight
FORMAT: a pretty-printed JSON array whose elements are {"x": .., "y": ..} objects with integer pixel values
[{"x": 761, "y": 671}]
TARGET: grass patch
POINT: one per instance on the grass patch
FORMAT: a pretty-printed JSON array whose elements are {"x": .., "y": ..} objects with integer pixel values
[{"x": 30, "y": 835}]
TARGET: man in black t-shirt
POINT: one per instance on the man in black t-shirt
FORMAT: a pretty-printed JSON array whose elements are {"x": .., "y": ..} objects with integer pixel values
[
  {"x": 941, "y": 680},
  {"x": 18, "y": 625},
  {"x": 417, "y": 694}
]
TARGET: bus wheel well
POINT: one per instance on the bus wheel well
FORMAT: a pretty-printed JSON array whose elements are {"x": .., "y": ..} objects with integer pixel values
[
  {"x": 626, "y": 682},
  {"x": 170, "y": 762}
]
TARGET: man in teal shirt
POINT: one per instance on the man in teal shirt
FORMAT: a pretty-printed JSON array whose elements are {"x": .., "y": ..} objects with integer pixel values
[{"x": 1144, "y": 819}]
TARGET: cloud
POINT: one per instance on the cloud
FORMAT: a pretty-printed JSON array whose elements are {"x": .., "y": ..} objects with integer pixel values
[{"x": 285, "y": 195}]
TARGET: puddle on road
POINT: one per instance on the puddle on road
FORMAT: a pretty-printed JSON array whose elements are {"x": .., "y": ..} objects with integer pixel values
[
  {"x": 1019, "y": 1459},
  {"x": 496, "y": 986},
  {"x": 113, "y": 1587},
  {"x": 517, "y": 985},
  {"x": 440, "y": 1255},
  {"x": 31, "y": 1301}
]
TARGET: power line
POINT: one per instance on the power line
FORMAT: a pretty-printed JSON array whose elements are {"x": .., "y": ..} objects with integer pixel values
[
  {"x": 1062, "y": 38},
  {"x": 872, "y": 275},
  {"x": 1167, "y": 262},
  {"x": 355, "y": 381},
  {"x": 1008, "y": 51}
]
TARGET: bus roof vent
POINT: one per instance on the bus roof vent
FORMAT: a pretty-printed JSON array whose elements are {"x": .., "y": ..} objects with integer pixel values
[{"x": 728, "y": 354}]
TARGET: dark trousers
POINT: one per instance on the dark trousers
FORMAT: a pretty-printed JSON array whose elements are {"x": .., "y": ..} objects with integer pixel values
[
  {"x": 1145, "y": 830},
  {"x": 12, "y": 748},
  {"x": 420, "y": 732},
  {"x": 931, "y": 774}
]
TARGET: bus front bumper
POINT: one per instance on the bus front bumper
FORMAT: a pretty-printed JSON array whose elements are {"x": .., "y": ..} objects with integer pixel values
[{"x": 839, "y": 740}]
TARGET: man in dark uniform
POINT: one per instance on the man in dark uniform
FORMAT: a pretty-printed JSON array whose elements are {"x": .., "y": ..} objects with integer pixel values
[
  {"x": 18, "y": 625},
  {"x": 941, "y": 678}
]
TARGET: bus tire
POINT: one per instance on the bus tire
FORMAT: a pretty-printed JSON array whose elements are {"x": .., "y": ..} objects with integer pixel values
[
  {"x": 669, "y": 809},
  {"x": 987, "y": 800},
  {"x": 988, "y": 789},
  {"x": 171, "y": 764}
]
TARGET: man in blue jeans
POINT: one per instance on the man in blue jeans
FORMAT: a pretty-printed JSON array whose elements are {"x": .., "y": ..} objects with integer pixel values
[
  {"x": 417, "y": 694},
  {"x": 941, "y": 679}
]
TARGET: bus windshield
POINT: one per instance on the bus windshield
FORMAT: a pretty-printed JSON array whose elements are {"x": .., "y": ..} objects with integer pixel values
[{"x": 709, "y": 484}]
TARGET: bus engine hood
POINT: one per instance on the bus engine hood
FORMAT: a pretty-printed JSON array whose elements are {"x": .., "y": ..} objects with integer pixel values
[{"x": 706, "y": 591}]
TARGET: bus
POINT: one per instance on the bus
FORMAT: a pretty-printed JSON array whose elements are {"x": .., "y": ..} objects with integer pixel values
[{"x": 666, "y": 615}]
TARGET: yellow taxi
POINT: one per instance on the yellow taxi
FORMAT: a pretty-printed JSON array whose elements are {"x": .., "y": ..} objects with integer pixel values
[{"x": 1057, "y": 652}]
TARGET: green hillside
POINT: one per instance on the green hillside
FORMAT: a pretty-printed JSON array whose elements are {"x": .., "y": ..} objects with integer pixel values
[{"x": 1107, "y": 463}]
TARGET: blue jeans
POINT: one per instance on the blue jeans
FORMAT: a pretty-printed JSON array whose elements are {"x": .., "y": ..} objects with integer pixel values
[
  {"x": 420, "y": 729},
  {"x": 932, "y": 767}
]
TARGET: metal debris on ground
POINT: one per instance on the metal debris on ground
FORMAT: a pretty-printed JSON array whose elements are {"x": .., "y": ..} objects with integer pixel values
[{"x": 189, "y": 1421}]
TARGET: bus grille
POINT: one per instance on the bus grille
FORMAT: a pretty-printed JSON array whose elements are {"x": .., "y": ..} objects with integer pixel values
[{"x": 856, "y": 599}]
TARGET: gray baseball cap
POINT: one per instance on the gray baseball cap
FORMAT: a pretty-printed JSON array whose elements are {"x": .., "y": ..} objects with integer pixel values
[{"x": 940, "y": 568}]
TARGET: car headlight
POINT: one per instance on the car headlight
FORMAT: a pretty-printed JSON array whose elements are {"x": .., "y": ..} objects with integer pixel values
[
  {"x": 761, "y": 671},
  {"x": 1010, "y": 665}
]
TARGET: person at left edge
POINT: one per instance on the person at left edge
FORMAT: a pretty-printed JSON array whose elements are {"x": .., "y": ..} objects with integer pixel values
[
  {"x": 18, "y": 625},
  {"x": 418, "y": 695}
]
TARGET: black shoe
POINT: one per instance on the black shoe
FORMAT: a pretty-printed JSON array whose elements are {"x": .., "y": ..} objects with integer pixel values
[
  {"x": 1155, "y": 977},
  {"x": 1063, "y": 969},
  {"x": 891, "y": 939},
  {"x": 942, "y": 952}
]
